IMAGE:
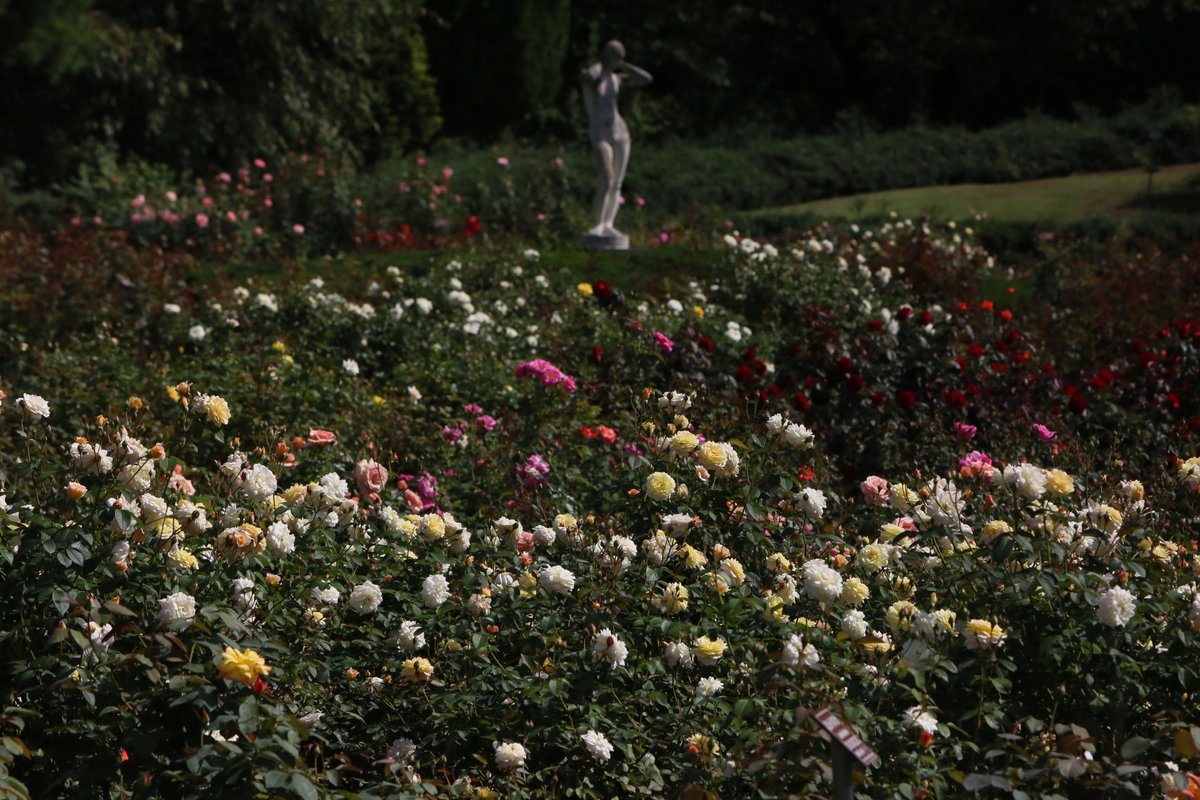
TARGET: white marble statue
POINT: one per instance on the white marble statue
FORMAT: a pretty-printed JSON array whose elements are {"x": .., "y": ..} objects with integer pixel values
[{"x": 602, "y": 83}]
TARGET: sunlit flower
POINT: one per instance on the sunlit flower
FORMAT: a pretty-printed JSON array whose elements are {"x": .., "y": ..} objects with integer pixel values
[
  {"x": 980, "y": 634},
  {"x": 597, "y": 745},
  {"x": 416, "y": 669},
  {"x": 245, "y": 666},
  {"x": 608, "y": 647},
  {"x": 509, "y": 756},
  {"x": 709, "y": 651},
  {"x": 1116, "y": 607}
]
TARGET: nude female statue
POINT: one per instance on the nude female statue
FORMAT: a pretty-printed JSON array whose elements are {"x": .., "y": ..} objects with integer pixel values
[{"x": 609, "y": 135}]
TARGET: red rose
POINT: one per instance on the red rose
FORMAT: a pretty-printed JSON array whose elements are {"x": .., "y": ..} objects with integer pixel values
[{"x": 905, "y": 398}]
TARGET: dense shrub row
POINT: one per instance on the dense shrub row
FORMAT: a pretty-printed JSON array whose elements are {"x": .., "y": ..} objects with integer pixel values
[{"x": 312, "y": 205}]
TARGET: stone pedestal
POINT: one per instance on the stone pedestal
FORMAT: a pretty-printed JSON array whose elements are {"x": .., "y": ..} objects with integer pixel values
[{"x": 611, "y": 241}]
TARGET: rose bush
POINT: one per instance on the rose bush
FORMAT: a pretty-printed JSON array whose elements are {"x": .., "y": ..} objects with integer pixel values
[{"x": 231, "y": 566}]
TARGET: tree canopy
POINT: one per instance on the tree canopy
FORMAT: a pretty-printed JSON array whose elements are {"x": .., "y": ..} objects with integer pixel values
[{"x": 197, "y": 83}]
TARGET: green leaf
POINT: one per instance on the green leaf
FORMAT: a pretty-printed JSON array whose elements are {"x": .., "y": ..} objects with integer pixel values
[
  {"x": 1134, "y": 746},
  {"x": 275, "y": 779},
  {"x": 303, "y": 786},
  {"x": 114, "y": 607}
]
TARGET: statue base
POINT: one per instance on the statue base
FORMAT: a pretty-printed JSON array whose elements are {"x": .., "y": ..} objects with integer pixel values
[{"x": 599, "y": 241}]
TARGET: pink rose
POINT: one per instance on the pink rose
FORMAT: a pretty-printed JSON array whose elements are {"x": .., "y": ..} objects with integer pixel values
[
  {"x": 370, "y": 476},
  {"x": 525, "y": 543},
  {"x": 875, "y": 491},
  {"x": 320, "y": 438},
  {"x": 179, "y": 483},
  {"x": 1043, "y": 433},
  {"x": 413, "y": 499}
]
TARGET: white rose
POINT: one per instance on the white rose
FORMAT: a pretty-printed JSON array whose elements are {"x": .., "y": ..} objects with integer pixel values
[
  {"x": 821, "y": 581},
  {"x": 260, "y": 483},
  {"x": 435, "y": 590},
  {"x": 175, "y": 607},
  {"x": 365, "y": 598},
  {"x": 280, "y": 540},
  {"x": 598, "y": 745},
  {"x": 557, "y": 580},
  {"x": 1117, "y": 606},
  {"x": 410, "y": 637},
  {"x": 509, "y": 756}
]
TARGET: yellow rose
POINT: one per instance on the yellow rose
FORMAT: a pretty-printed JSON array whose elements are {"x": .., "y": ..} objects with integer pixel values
[
  {"x": 295, "y": 492},
  {"x": 692, "y": 557},
  {"x": 733, "y": 571},
  {"x": 702, "y": 747},
  {"x": 946, "y": 619},
  {"x": 874, "y": 643},
  {"x": 854, "y": 591},
  {"x": 903, "y": 587},
  {"x": 75, "y": 490},
  {"x": 245, "y": 666},
  {"x": 213, "y": 407},
  {"x": 709, "y": 651},
  {"x": 416, "y": 669},
  {"x": 674, "y": 598},
  {"x": 432, "y": 528},
  {"x": 717, "y": 583},
  {"x": 660, "y": 486},
  {"x": 1059, "y": 483},
  {"x": 903, "y": 498},
  {"x": 983, "y": 635},
  {"x": 183, "y": 559},
  {"x": 584, "y": 289},
  {"x": 900, "y": 615},
  {"x": 713, "y": 456},
  {"x": 996, "y": 527},
  {"x": 682, "y": 443},
  {"x": 778, "y": 563},
  {"x": 873, "y": 557},
  {"x": 167, "y": 527},
  {"x": 773, "y": 608}
]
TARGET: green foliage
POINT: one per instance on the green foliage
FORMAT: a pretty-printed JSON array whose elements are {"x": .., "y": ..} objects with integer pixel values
[{"x": 158, "y": 81}]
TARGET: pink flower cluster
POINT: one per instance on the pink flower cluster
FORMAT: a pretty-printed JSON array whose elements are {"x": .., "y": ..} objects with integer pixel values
[
  {"x": 549, "y": 374},
  {"x": 534, "y": 472},
  {"x": 976, "y": 464}
]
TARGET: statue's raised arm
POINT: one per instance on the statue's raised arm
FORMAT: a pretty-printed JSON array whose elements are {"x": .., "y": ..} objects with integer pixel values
[{"x": 601, "y": 83}]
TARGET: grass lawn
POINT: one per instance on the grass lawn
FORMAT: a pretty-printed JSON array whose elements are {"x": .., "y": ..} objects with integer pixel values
[{"x": 1119, "y": 196}]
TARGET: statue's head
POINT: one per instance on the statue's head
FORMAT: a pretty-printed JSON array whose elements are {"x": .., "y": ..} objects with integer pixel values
[{"x": 612, "y": 54}]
